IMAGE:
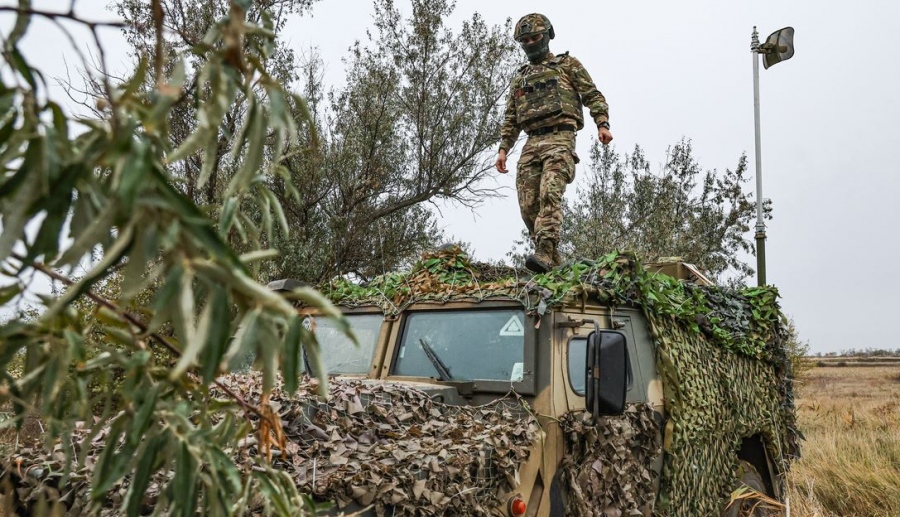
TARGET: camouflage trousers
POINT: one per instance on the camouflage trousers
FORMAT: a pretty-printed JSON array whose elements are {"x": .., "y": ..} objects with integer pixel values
[{"x": 546, "y": 166}]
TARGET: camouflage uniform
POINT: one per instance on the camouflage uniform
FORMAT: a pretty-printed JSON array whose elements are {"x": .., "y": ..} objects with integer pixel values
[{"x": 545, "y": 101}]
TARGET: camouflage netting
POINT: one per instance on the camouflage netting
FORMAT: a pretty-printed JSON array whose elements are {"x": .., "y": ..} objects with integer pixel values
[
  {"x": 382, "y": 445},
  {"x": 720, "y": 352},
  {"x": 715, "y": 398},
  {"x": 607, "y": 469}
]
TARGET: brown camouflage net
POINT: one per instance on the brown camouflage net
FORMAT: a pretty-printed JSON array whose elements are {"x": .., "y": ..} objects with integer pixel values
[
  {"x": 608, "y": 467},
  {"x": 391, "y": 446},
  {"x": 375, "y": 445},
  {"x": 725, "y": 368}
]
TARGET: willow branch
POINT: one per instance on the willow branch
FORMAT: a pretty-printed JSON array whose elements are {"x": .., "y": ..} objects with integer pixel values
[
  {"x": 58, "y": 15},
  {"x": 103, "y": 302}
]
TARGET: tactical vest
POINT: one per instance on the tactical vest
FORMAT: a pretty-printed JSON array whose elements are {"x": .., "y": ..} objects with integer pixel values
[{"x": 543, "y": 92}]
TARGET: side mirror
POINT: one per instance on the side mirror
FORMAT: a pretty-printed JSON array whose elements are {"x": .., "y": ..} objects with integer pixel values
[{"x": 607, "y": 372}]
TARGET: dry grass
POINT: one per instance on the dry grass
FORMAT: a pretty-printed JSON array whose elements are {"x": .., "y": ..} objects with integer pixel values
[{"x": 851, "y": 458}]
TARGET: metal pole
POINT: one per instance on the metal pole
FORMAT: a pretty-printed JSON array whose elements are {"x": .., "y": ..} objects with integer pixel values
[{"x": 760, "y": 225}]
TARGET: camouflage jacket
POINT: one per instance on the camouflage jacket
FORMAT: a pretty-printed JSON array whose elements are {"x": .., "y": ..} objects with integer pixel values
[{"x": 550, "y": 93}]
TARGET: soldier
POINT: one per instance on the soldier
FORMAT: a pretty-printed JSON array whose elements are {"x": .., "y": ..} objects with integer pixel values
[{"x": 545, "y": 100}]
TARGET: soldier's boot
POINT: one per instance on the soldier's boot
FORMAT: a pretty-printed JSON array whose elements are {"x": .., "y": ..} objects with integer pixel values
[
  {"x": 542, "y": 260},
  {"x": 557, "y": 258}
]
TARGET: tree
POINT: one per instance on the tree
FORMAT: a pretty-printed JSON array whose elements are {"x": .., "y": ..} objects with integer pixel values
[
  {"x": 419, "y": 109},
  {"x": 683, "y": 211},
  {"x": 107, "y": 185},
  {"x": 413, "y": 124}
]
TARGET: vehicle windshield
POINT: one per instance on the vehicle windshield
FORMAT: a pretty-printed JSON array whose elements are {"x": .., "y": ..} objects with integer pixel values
[
  {"x": 463, "y": 345},
  {"x": 339, "y": 355}
]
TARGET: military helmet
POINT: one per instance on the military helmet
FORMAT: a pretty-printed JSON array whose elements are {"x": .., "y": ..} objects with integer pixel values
[{"x": 533, "y": 23}]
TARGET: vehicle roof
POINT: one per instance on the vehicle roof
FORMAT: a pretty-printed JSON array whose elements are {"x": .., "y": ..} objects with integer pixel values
[{"x": 743, "y": 319}]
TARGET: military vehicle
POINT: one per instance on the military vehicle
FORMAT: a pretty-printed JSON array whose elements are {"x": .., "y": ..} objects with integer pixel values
[
  {"x": 649, "y": 391},
  {"x": 600, "y": 388}
]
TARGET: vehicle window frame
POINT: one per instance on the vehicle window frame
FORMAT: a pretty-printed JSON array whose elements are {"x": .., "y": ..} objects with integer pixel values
[
  {"x": 525, "y": 387},
  {"x": 377, "y": 353}
]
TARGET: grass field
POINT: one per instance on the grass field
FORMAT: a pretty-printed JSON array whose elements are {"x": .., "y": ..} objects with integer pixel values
[{"x": 851, "y": 457}]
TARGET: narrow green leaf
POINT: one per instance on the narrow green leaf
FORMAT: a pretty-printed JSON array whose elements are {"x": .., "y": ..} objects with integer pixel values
[
  {"x": 56, "y": 207},
  {"x": 87, "y": 236},
  {"x": 183, "y": 317},
  {"x": 165, "y": 97},
  {"x": 165, "y": 296},
  {"x": 134, "y": 276},
  {"x": 56, "y": 370},
  {"x": 266, "y": 211},
  {"x": 8, "y": 292},
  {"x": 140, "y": 76},
  {"x": 254, "y": 135},
  {"x": 149, "y": 458},
  {"x": 273, "y": 495},
  {"x": 209, "y": 161},
  {"x": 131, "y": 173},
  {"x": 184, "y": 484},
  {"x": 113, "y": 461},
  {"x": 111, "y": 256},
  {"x": 143, "y": 418},
  {"x": 268, "y": 345},
  {"x": 314, "y": 358},
  {"x": 193, "y": 142},
  {"x": 201, "y": 228},
  {"x": 244, "y": 341},
  {"x": 292, "y": 355},
  {"x": 279, "y": 213},
  {"x": 226, "y": 219},
  {"x": 198, "y": 340},
  {"x": 217, "y": 333},
  {"x": 23, "y": 20},
  {"x": 259, "y": 255},
  {"x": 17, "y": 212},
  {"x": 22, "y": 67}
]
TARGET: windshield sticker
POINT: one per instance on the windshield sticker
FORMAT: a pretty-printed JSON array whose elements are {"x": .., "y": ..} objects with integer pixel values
[
  {"x": 402, "y": 351},
  {"x": 518, "y": 372},
  {"x": 513, "y": 327}
]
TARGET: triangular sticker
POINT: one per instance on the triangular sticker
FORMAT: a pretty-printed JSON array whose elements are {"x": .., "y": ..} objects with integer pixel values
[{"x": 513, "y": 327}]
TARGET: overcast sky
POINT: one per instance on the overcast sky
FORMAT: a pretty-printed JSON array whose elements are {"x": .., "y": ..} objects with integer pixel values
[{"x": 830, "y": 126}]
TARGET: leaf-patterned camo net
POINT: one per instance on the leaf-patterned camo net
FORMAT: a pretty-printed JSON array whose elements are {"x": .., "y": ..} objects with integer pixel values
[
  {"x": 379, "y": 445},
  {"x": 391, "y": 446},
  {"x": 608, "y": 467}
]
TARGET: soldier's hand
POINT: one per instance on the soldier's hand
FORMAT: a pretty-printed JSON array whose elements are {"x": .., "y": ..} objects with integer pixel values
[
  {"x": 604, "y": 135},
  {"x": 500, "y": 164}
]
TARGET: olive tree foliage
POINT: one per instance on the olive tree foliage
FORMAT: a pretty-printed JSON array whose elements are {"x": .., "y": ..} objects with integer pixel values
[
  {"x": 414, "y": 123},
  {"x": 410, "y": 125},
  {"x": 113, "y": 185},
  {"x": 204, "y": 173},
  {"x": 681, "y": 210}
]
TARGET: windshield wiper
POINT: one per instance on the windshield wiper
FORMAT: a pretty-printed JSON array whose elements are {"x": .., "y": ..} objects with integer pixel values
[{"x": 439, "y": 365}]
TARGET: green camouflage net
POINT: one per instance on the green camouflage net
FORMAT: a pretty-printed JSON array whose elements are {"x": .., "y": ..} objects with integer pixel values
[
  {"x": 382, "y": 446},
  {"x": 607, "y": 469},
  {"x": 720, "y": 352},
  {"x": 714, "y": 399}
]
